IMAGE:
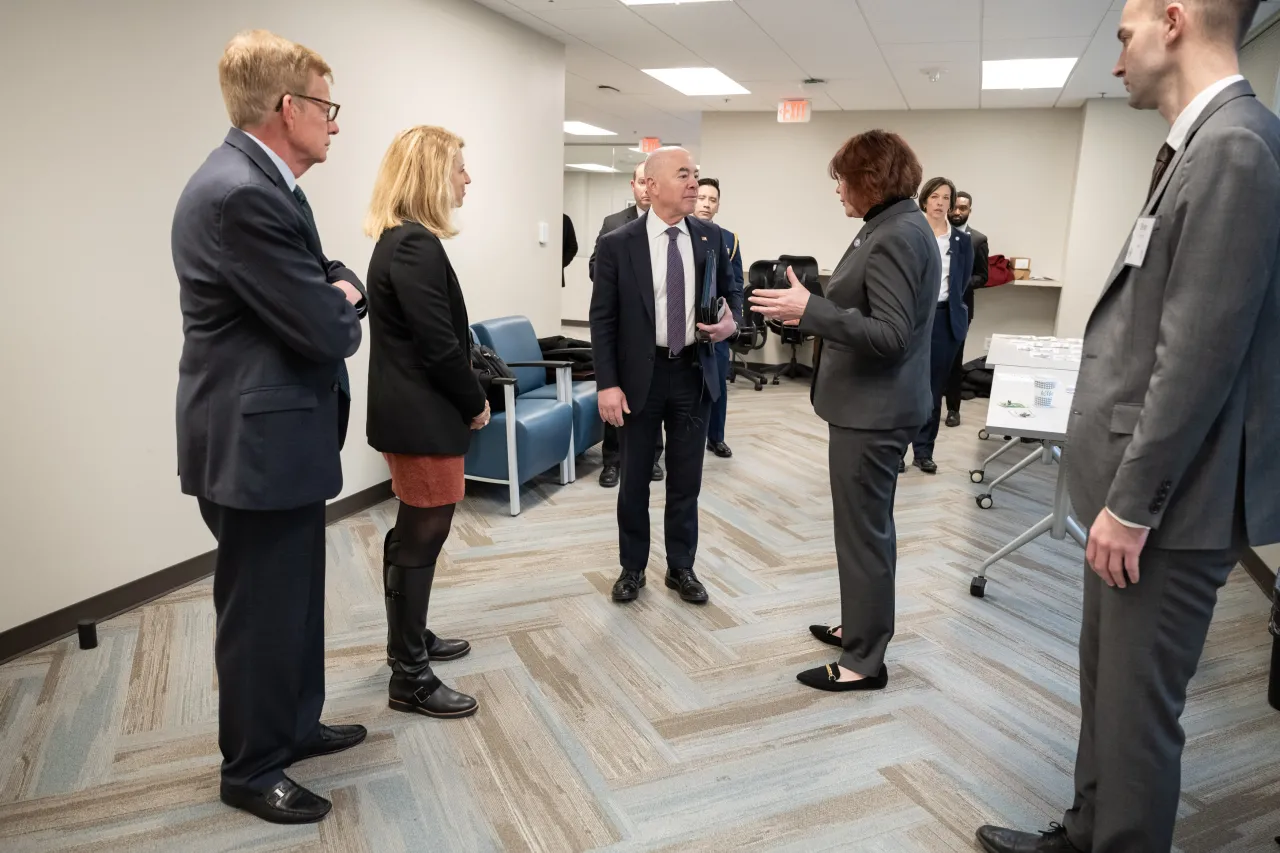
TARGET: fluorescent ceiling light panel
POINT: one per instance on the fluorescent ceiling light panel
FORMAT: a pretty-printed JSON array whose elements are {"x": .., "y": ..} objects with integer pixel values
[
  {"x": 1026, "y": 73},
  {"x": 591, "y": 167},
  {"x": 666, "y": 2},
  {"x": 579, "y": 128},
  {"x": 696, "y": 82}
]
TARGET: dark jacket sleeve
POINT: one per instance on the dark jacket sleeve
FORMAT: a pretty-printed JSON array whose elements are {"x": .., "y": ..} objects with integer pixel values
[
  {"x": 738, "y": 283},
  {"x": 730, "y": 275},
  {"x": 892, "y": 282},
  {"x": 981, "y": 255},
  {"x": 336, "y": 271},
  {"x": 420, "y": 279},
  {"x": 268, "y": 265},
  {"x": 591, "y": 262},
  {"x": 570, "y": 247},
  {"x": 604, "y": 313}
]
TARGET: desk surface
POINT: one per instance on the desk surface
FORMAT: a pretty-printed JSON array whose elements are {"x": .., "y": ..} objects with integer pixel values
[
  {"x": 1013, "y": 384},
  {"x": 1029, "y": 351}
]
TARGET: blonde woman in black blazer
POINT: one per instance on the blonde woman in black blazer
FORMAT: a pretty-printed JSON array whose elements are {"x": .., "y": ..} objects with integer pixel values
[{"x": 424, "y": 398}]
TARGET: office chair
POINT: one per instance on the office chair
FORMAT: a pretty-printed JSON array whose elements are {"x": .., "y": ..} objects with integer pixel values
[
  {"x": 806, "y": 270},
  {"x": 754, "y": 332}
]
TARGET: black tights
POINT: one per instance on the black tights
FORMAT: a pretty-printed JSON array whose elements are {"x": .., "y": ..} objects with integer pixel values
[{"x": 420, "y": 534}]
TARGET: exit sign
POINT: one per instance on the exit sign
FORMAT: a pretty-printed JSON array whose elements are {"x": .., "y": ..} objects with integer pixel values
[
  {"x": 795, "y": 110},
  {"x": 650, "y": 144}
]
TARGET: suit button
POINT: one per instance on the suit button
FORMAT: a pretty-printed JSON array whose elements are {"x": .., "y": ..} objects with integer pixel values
[
  {"x": 336, "y": 387},
  {"x": 1075, "y": 411}
]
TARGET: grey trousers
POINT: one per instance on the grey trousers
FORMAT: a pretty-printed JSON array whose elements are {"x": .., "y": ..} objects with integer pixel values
[
  {"x": 1139, "y": 647},
  {"x": 864, "y": 479}
]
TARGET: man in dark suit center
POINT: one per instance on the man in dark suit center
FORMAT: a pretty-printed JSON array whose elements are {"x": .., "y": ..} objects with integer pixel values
[{"x": 654, "y": 369}]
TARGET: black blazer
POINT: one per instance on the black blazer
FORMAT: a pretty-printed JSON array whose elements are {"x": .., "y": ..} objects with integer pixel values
[
  {"x": 611, "y": 223},
  {"x": 423, "y": 393},
  {"x": 260, "y": 410},
  {"x": 959, "y": 275},
  {"x": 623, "y": 330},
  {"x": 568, "y": 248},
  {"x": 981, "y": 272}
]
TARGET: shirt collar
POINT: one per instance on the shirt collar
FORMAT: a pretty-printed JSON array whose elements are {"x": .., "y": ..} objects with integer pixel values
[
  {"x": 1182, "y": 125},
  {"x": 285, "y": 172},
  {"x": 656, "y": 227}
]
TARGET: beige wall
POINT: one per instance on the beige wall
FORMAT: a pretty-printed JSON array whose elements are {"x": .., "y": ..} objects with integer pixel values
[
  {"x": 111, "y": 107},
  {"x": 1117, "y": 152},
  {"x": 1260, "y": 63},
  {"x": 588, "y": 199}
]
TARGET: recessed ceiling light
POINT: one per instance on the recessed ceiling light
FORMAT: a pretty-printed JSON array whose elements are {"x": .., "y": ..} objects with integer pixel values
[
  {"x": 1026, "y": 73},
  {"x": 579, "y": 128},
  {"x": 590, "y": 167},
  {"x": 697, "y": 82},
  {"x": 665, "y": 2}
]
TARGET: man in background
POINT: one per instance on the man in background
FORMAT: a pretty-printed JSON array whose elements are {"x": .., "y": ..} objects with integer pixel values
[
  {"x": 706, "y": 209},
  {"x": 262, "y": 408},
  {"x": 1175, "y": 420},
  {"x": 610, "y": 474},
  {"x": 981, "y": 252}
]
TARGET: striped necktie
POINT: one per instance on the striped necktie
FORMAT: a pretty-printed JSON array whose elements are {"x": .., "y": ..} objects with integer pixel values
[{"x": 676, "y": 319}]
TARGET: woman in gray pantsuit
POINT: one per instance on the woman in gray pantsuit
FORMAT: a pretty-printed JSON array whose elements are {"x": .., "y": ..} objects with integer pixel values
[{"x": 871, "y": 386}]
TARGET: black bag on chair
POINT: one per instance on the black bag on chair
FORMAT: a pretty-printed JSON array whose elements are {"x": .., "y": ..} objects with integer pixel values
[{"x": 488, "y": 366}]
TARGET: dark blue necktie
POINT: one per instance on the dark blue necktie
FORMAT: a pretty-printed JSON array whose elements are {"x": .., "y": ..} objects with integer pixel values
[{"x": 676, "y": 320}]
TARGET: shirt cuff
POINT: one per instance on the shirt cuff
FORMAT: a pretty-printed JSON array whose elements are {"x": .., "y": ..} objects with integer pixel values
[{"x": 1127, "y": 523}]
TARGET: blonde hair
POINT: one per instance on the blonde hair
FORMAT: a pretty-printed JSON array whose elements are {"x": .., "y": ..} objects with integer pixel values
[
  {"x": 258, "y": 68},
  {"x": 414, "y": 184}
]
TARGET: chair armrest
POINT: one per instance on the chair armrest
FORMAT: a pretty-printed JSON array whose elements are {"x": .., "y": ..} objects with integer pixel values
[
  {"x": 569, "y": 351},
  {"x": 550, "y": 364},
  {"x": 503, "y": 380}
]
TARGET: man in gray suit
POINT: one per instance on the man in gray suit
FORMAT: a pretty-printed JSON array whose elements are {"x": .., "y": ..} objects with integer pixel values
[
  {"x": 1171, "y": 446},
  {"x": 267, "y": 320}
]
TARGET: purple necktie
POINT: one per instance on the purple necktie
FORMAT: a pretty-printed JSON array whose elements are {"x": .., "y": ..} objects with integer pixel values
[{"x": 675, "y": 294}]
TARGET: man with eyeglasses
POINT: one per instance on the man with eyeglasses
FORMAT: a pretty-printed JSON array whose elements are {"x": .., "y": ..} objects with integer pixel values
[{"x": 263, "y": 398}]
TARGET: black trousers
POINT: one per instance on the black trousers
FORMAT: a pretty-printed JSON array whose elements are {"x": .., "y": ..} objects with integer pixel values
[
  {"x": 942, "y": 354},
  {"x": 955, "y": 382},
  {"x": 612, "y": 447},
  {"x": 268, "y": 592},
  {"x": 679, "y": 401}
]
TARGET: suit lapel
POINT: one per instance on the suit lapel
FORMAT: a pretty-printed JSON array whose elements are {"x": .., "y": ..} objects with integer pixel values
[
  {"x": 240, "y": 141},
  {"x": 638, "y": 247},
  {"x": 701, "y": 245}
]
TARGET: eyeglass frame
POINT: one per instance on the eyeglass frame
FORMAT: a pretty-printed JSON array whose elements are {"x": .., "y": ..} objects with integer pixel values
[{"x": 330, "y": 115}]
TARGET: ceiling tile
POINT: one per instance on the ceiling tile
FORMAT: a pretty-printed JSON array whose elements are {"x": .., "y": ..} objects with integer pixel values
[
  {"x": 908, "y": 21},
  {"x": 933, "y": 52},
  {"x": 956, "y": 90},
  {"x": 858, "y": 95},
  {"x": 537, "y": 7},
  {"x": 1034, "y": 48},
  {"x": 1092, "y": 74},
  {"x": 599, "y": 68},
  {"x": 1029, "y": 19},
  {"x": 725, "y": 37},
  {"x": 1008, "y": 99},
  {"x": 624, "y": 35},
  {"x": 826, "y": 38}
]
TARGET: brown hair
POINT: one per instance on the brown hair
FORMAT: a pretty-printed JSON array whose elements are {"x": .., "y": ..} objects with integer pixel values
[
  {"x": 258, "y": 68},
  {"x": 931, "y": 186},
  {"x": 1228, "y": 20},
  {"x": 413, "y": 183},
  {"x": 878, "y": 166}
]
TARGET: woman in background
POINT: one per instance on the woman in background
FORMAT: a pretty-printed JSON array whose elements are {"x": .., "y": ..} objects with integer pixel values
[
  {"x": 424, "y": 397},
  {"x": 871, "y": 387}
]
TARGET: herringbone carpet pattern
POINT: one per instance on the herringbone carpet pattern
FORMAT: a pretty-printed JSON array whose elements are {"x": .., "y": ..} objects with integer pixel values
[{"x": 659, "y": 726}]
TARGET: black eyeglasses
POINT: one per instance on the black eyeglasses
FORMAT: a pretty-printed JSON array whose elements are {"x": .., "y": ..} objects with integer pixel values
[{"x": 330, "y": 106}]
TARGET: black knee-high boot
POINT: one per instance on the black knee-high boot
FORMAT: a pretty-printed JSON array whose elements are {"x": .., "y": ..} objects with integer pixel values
[
  {"x": 438, "y": 648},
  {"x": 414, "y": 687}
]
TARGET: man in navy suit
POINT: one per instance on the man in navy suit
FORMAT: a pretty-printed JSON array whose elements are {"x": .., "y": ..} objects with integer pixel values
[
  {"x": 262, "y": 408},
  {"x": 655, "y": 364},
  {"x": 706, "y": 210}
]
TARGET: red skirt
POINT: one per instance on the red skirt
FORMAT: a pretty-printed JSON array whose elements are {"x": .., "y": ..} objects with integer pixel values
[{"x": 426, "y": 481}]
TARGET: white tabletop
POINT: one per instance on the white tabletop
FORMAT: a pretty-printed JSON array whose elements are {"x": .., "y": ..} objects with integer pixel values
[
  {"x": 1038, "y": 352},
  {"x": 1013, "y": 384}
]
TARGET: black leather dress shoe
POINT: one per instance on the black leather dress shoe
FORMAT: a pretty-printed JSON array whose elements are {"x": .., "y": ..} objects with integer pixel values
[
  {"x": 609, "y": 476},
  {"x": 691, "y": 589},
  {"x": 284, "y": 802},
  {"x": 996, "y": 839},
  {"x": 828, "y": 678},
  {"x": 658, "y": 473},
  {"x": 719, "y": 448},
  {"x": 430, "y": 697},
  {"x": 441, "y": 649},
  {"x": 902, "y": 466},
  {"x": 628, "y": 586},
  {"x": 330, "y": 739},
  {"x": 827, "y": 635},
  {"x": 925, "y": 464},
  {"x": 953, "y": 419}
]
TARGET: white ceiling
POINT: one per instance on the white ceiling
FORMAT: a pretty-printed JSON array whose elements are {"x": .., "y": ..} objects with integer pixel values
[{"x": 872, "y": 55}]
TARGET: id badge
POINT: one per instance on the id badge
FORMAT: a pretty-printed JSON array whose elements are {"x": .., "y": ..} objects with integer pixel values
[{"x": 1139, "y": 241}]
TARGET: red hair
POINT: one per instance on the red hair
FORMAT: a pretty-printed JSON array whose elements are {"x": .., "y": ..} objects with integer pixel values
[{"x": 877, "y": 166}]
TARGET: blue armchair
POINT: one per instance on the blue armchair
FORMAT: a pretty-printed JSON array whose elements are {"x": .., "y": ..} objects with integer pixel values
[
  {"x": 531, "y": 436},
  {"x": 514, "y": 340}
]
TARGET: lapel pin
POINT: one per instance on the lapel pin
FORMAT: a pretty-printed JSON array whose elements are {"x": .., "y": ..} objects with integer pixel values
[
  {"x": 857, "y": 242},
  {"x": 704, "y": 239}
]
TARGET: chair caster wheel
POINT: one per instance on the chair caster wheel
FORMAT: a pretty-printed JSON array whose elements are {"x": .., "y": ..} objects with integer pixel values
[
  {"x": 976, "y": 476},
  {"x": 759, "y": 386},
  {"x": 775, "y": 381},
  {"x": 978, "y": 587},
  {"x": 985, "y": 502},
  {"x": 983, "y": 434}
]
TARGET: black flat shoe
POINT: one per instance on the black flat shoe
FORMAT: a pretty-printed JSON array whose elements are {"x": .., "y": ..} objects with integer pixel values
[
  {"x": 925, "y": 464},
  {"x": 431, "y": 698},
  {"x": 997, "y": 839},
  {"x": 902, "y": 466},
  {"x": 609, "y": 476},
  {"x": 284, "y": 802},
  {"x": 719, "y": 448},
  {"x": 331, "y": 739},
  {"x": 953, "y": 419},
  {"x": 628, "y": 586},
  {"x": 691, "y": 589},
  {"x": 827, "y": 635},
  {"x": 828, "y": 678},
  {"x": 657, "y": 473}
]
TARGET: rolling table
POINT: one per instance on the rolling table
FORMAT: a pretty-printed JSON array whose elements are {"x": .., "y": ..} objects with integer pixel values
[{"x": 1047, "y": 424}]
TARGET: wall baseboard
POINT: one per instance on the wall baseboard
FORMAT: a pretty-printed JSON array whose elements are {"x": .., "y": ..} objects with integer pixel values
[
  {"x": 50, "y": 628},
  {"x": 1258, "y": 569},
  {"x": 577, "y": 324}
]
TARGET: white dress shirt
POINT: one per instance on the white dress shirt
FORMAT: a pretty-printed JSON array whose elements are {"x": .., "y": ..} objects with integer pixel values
[
  {"x": 944, "y": 249},
  {"x": 285, "y": 172},
  {"x": 1176, "y": 139},
  {"x": 658, "y": 241}
]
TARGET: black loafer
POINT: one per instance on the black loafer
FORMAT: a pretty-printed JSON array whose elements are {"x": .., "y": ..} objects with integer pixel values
[
  {"x": 953, "y": 419},
  {"x": 284, "y": 802},
  {"x": 925, "y": 464},
  {"x": 431, "y": 698},
  {"x": 827, "y": 635},
  {"x": 657, "y": 473},
  {"x": 628, "y": 586},
  {"x": 691, "y": 589},
  {"x": 997, "y": 839},
  {"x": 331, "y": 739},
  {"x": 441, "y": 649},
  {"x": 719, "y": 448},
  {"x": 609, "y": 476},
  {"x": 902, "y": 466},
  {"x": 828, "y": 678}
]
